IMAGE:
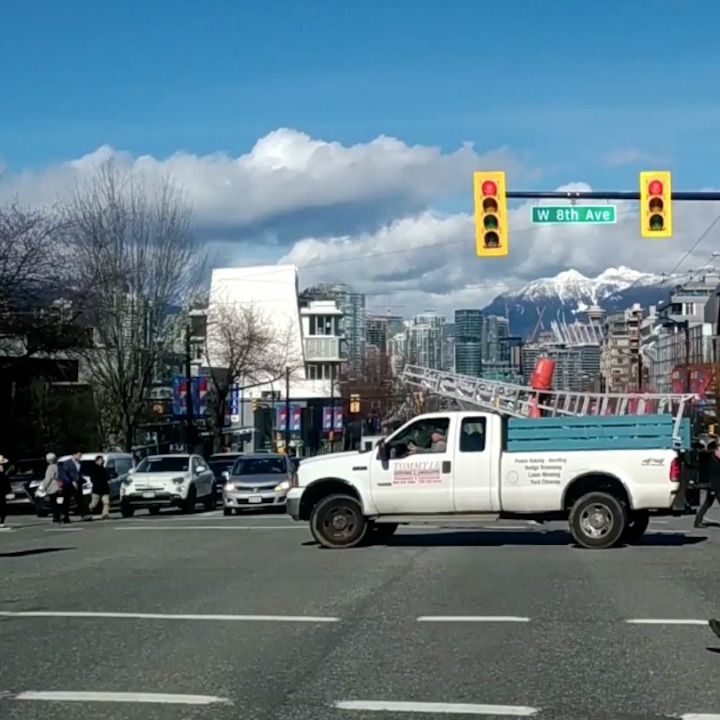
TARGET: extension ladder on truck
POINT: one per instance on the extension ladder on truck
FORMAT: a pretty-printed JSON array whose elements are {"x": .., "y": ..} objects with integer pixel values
[{"x": 522, "y": 401}]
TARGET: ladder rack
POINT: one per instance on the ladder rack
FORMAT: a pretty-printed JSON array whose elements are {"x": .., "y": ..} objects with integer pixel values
[{"x": 518, "y": 400}]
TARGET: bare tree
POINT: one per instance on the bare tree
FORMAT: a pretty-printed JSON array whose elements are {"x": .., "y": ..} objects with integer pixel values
[
  {"x": 40, "y": 300},
  {"x": 382, "y": 394},
  {"x": 243, "y": 346},
  {"x": 134, "y": 243}
]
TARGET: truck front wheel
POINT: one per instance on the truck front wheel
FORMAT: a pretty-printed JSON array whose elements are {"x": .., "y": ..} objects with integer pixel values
[
  {"x": 598, "y": 521},
  {"x": 337, "y": 522}
]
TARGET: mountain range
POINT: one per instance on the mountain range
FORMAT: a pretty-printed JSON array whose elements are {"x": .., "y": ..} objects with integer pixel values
[{"x": 569, "y": 294}]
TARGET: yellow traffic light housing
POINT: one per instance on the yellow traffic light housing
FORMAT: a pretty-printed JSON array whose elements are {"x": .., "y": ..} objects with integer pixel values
[
  {"x": 254, "y": 405},
  {"x": 354, "y": 403},
  {"x": 491, "y": 232},
  {"x": 655, "y": 204}
]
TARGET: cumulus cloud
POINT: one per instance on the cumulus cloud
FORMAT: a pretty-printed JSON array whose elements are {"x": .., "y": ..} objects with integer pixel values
[
  {"x": 368, "y": 215},
  {"x": 289, "y": 185},
  {"x": 429, "y": 260}
]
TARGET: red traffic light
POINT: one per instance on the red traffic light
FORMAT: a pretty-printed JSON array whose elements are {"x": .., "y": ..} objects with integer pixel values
[
  {"x": 655, "y": 187},
  {"x": 489, "y": 188}
]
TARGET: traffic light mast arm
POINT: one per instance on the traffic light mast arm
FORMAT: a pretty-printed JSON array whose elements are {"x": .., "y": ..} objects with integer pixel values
[{"x": 694, "y": 196}]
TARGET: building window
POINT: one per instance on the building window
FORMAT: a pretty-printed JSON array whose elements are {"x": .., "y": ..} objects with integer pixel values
[{"x": 323, "y": 325}]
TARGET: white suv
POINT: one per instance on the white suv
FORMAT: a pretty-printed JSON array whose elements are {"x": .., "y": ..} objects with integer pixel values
[{"x": 164, "y": 481}]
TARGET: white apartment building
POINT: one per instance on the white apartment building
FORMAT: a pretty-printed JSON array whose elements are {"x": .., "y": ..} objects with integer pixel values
[{"x": 311, "y": 333}]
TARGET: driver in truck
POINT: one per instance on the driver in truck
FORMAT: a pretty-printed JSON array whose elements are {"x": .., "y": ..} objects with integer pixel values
[{"x": 438, "y": 444}]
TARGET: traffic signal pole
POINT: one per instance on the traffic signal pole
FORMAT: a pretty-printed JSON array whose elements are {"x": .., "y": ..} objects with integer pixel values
[{"x": 692, "y": 196}]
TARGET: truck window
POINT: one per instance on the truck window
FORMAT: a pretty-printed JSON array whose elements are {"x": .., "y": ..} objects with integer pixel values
[
  {"x": 472, "y": 434},
  {"x": 426, "y": 435}
]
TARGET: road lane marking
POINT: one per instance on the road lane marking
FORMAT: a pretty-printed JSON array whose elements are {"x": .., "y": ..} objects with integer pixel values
[
  {"x": 159, "y": 616},
  {"x": 134, "y": 528},
  {"x": 432, "y": 707},
  {"x": 120, "y": 697},
  {"x": 700, "y": 716},
  {"x": 64, "y": 530},
  {"x": 473, "y": 618},
  {"x": 665, "y": 621}
]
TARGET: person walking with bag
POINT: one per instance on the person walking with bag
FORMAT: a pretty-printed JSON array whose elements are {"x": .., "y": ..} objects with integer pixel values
[
  {"x": 52, "y": 487},
  {"x": 100, "y": 487}
]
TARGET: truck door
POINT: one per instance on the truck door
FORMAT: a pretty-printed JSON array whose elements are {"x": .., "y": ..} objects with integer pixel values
[
  {"x": 474, "y": 473},
  {"x": 418, "y": 476}
]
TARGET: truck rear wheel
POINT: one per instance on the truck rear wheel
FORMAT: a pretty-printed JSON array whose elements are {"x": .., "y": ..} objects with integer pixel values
[
  {"x": 337, "y": 522},
  {"x": 598, "y": 521},
  {"x": 638, "y": 524}
]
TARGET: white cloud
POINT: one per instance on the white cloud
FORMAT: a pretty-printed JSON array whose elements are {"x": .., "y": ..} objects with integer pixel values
[
  {"x": 443, "y": 272},
  {"x": 367, "y": 214},
  {"x": 288, "y": 174}
]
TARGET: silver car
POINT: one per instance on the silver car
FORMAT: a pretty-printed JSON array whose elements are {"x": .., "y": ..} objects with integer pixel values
[{"x": 258, "y": 480}]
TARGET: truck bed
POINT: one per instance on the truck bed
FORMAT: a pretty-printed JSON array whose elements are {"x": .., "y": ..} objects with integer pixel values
[{"x": 626, "y": 432}]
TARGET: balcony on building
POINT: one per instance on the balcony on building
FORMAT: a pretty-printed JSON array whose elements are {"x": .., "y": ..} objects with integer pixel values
[{"x": 322, "y": 331}]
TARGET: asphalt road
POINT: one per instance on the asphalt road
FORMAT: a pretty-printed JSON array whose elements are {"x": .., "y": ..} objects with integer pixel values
[{"x": 243, "y": 617}]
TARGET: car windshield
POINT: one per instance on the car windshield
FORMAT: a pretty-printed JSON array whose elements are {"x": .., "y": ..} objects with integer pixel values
[
  {"x": 27, "y": 467},
  {"x": 163, "y": 464},
  {"x": 259, "y": 466},
  {"x": 220, "y": 466}
]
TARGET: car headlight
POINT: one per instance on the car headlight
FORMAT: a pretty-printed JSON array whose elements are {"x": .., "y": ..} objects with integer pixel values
[
  {"x": 179, "y": 480},
  {"x": 229, "y": 484},
  {"x": 283, "y": 486}
]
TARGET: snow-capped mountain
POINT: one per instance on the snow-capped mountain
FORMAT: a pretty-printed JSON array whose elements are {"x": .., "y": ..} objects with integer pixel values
[{"x": 567, "y": 295}]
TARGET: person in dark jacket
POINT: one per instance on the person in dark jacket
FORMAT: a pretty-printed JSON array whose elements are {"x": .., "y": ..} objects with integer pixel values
[
  {"x": 101, "y": 487},
  {"x": 713, "y": 492},
  {"x": 72, "y": 483}
]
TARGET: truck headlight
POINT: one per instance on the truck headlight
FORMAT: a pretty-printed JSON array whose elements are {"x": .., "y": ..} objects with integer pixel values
[{"x": 283, "y": 486}]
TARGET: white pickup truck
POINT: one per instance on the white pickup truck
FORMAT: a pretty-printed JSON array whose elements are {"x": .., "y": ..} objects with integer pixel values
[{"x": 604, "y": 475}]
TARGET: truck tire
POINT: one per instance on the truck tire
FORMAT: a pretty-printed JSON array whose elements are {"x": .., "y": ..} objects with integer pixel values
[
  {"x": 598, "y": 521},
  {"x": 639, "y": 521},
  {"x": 337, "y": 522}
]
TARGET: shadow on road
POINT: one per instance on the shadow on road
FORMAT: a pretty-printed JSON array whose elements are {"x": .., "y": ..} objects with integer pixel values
[
  {"x": 509, "y": 537},
  {"x": 485, "y": 538},
  {"x": 33, "y": 551}
]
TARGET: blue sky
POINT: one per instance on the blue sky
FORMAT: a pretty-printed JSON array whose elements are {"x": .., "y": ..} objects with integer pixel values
[
  {"x": 576, "y": 92},
  {"x": 563, "y": 83}
]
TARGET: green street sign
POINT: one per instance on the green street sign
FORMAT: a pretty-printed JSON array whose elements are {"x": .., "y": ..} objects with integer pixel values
[{"x": 580, "y": 214}]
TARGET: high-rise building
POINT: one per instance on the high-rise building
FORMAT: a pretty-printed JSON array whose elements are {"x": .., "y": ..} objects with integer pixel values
[
  {"x": 378, "y": 332},
  {"x": 469, "y": 342},
  {"x": 448, "y": 347},
  {"x": 495, "y": 329},
  {"x": 425, "y": 340},
  {"x": 620, "y": 360}
]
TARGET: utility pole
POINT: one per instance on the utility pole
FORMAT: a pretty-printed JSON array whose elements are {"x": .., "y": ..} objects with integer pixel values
[
  {"x": 640, "y": 371},
  {"x": 189, "y": 414},
  {"x": 287, "y": 410},
  {"x": 331, "y": 434}
]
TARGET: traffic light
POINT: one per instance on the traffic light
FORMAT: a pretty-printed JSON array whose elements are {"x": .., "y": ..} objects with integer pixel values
[
  {"x": 655, "y": 204},
  {"x": 254, "y": 405},
  {"x": 491, "y": 232},
  {"x": 354, "y": 403}
]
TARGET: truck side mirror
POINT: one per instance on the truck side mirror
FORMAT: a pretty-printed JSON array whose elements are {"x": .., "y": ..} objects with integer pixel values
[{"x": 382, "y": 452}]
